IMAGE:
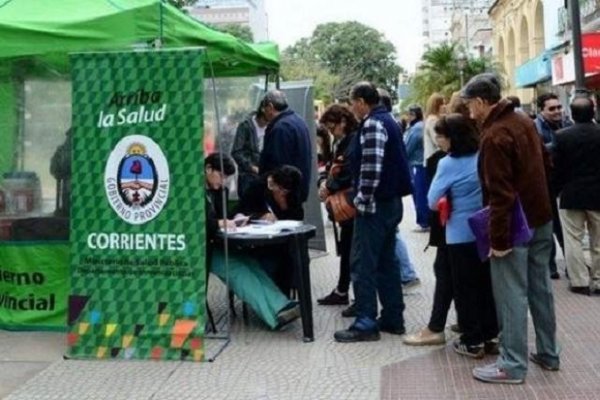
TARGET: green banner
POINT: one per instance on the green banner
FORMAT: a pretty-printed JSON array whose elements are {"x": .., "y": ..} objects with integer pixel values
[
  {"x": 137, "y": 228},
  {"x": 33, "y": 285}
]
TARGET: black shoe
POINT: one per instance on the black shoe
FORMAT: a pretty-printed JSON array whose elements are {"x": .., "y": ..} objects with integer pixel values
[
  {"x": 334, "y": 299},
  {"x": 455, "y": 328},
  {"x": 390, "y": 329},
  {"x": 350, "y": 312},
  {"x": 491, "y": 347},
  {"x": 580, "y": 290},
  {"x": 353, "y": 334},
  {"x": 475, "y": 351},
  {"x": 539, "y": 361},
  {"x": 287, "y": 315},
  {"x": 555, "y": 275}
]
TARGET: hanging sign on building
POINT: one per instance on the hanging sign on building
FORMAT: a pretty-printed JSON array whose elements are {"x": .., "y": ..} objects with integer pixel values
[{"x": 563, "y": 64}]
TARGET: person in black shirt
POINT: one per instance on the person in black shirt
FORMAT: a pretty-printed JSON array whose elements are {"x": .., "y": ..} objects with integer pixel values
[{"x": 244, "y": 273}]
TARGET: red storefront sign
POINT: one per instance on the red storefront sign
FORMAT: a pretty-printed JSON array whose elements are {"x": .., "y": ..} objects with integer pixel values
[
  {"x": 563, "y": 65},
  {"x": 590, "y": 49}
]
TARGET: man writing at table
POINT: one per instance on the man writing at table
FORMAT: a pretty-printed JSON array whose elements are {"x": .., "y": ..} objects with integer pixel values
[
  {"x": 277, "y": 196},
  {"x": 247, "y": 278}
]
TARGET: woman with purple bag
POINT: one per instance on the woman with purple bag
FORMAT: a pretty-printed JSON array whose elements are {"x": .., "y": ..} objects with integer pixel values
[{"x": 457, "y": 179}]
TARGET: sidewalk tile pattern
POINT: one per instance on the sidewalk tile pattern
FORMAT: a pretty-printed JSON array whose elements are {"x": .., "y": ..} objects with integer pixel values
[
  {"x": 262, "y": 365},
  {"x": 442, "y": 374}
]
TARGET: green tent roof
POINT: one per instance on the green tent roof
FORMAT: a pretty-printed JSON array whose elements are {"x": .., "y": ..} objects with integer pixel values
[{"x": 52, "y": 29}]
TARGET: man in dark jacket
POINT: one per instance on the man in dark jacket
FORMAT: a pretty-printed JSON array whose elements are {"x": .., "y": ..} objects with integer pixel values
[
  {"x": 550, "y": 118},
  {"x": 381, "y": 178},
  {"x": 247, "y": 145},
  {"x": 577, "y": 179},
  {"x": 513, "y": 165},
  {"x": 287, "y": 139},
  {"x": 548, "y": 121}
]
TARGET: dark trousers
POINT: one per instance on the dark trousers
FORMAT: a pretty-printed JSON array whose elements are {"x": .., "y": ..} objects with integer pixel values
[
  {"x": 420, "y": 195},
  {"x": 558, "y": 234},
  {"x": 473, "y": 294},
  {"x": 276, "y": 260},
  {"x": 245, "y": 180},
  {"x": 345, "y": 245},
  {"x": 374, "y": 266},
  {"x": 444, "y": 290}
]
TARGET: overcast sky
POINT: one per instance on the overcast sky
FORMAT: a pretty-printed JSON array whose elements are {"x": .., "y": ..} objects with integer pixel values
[{"x": 291, "y": 20}]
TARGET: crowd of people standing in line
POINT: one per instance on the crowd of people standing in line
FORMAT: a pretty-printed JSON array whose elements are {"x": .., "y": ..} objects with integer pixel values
[{"x": 477, "y": 150}]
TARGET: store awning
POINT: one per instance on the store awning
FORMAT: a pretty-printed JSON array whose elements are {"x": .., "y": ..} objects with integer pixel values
[{"x": 534, "y": 71}]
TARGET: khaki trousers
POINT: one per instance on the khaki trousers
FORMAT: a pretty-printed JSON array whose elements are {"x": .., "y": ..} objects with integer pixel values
[{"x": 573, "y": 224}]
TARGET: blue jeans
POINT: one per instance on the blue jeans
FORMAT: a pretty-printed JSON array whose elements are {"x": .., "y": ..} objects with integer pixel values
[
  {"x": 374, "y": 266},
  {"x": 419, "y": 175},
  {"x": 407, "y": 269},
  {"x": 519, "y": 279}
]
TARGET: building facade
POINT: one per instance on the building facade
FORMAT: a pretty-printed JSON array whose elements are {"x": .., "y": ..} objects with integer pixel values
[
  {"x": 563, "y": 59},
  {"x": 463, "y": 21},
  {"x": 249, "y": 13},
  {"x": 471, "y": 27},
  {"x": 437, "y": 18},
  {"x": 517, "y": 37}
]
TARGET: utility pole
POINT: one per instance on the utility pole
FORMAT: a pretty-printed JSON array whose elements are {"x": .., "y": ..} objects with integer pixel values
[{"x": 574, "y": 14}]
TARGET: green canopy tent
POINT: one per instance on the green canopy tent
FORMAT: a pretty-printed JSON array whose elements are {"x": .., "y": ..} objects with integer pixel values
[
  {"x": 37, "y": 28},
  {"x": 37, "y": 37}
]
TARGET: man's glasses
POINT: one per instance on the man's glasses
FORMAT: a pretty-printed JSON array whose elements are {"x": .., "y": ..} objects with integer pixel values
[{"x": 555, "y": 108}]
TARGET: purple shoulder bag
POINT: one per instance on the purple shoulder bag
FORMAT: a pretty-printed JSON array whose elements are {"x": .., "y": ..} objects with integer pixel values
[{"x": 479, "y": 222}]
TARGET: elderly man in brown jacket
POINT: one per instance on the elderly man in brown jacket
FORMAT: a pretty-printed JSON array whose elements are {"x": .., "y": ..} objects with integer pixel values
[{"x": 513, "y": 166}]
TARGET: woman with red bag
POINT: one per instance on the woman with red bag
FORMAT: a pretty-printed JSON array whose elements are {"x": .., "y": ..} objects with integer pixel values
[
  {"x": 457, "y": 179},
  {"x": 342, "y": 124}
]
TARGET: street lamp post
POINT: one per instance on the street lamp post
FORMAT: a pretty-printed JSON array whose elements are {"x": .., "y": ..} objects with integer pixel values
[
  {"x": 462, "y": 63},
  {"x": 574, "y": 13}
]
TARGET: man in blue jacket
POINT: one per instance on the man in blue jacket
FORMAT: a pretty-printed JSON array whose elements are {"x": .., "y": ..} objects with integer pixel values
[
  {"x": 381, "y": 177},
  {"x": 287, "y": 139},
  {"x": 549, "y": 120}
]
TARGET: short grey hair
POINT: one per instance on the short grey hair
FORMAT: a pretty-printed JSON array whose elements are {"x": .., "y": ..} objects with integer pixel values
[{"x": 276, "y": 98}]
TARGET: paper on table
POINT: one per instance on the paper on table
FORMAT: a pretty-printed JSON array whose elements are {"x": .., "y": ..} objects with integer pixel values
[
  {"x": 287, "y": 223},
  {"x": 271, "y": 229}
]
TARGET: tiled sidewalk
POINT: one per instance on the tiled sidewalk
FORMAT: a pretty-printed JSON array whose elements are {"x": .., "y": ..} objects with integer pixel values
[
  {"x": 263, "y": 365},
  {"x": 442, "y": 374}
]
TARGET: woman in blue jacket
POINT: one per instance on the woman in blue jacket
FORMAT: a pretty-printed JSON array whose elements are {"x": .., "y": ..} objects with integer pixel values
[{"x": 457, "y": 179}]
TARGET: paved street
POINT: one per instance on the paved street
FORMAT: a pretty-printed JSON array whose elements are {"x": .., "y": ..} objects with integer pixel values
[{"x": 260, "y": 365}]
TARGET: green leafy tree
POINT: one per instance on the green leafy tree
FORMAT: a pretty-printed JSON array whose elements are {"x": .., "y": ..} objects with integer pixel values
[
  {"x": 182, "y": 3},
  {"x": 239, "y": 31},
  {"x": 440, "y": 71},
  {"x": 328, "y": 86},
  {"x": 351, "y": 52}
]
